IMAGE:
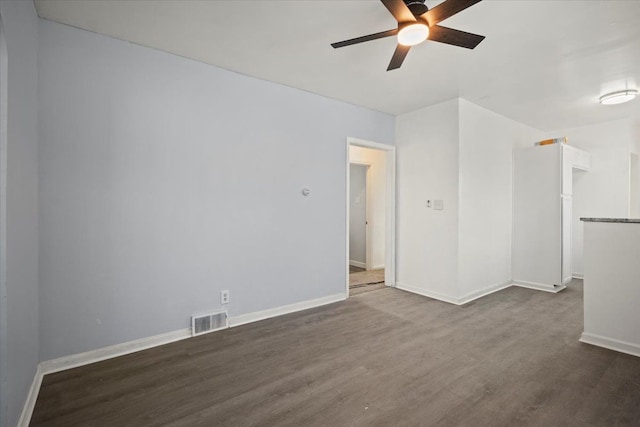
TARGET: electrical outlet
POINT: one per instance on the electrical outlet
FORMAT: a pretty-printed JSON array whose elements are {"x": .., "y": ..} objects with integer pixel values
[{"x": 224, "y": 297}]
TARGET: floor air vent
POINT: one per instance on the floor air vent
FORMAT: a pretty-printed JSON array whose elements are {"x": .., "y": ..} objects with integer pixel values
[{"x": 209, "y": 323}]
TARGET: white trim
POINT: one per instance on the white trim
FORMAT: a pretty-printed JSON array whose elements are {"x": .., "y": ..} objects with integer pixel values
[
  {"x": 427, "y": 293},
  {"x": 357, "y": 264},
  {"x": 30, "y": 403},
  {"x": 465, "y": 299},
  {"x": 610, "y": 343},
  {"x": 360, "y": 163},
  {"x": 378, "y": 267},
  {"x": 369, "y": 144},
  {"x": 347, "y": 203},
  {"x": 285, "y": 309},
  {"x": 390, "y": 220},
  {"x": 539, "y": 286},
  {"x": 104, "y": 353},
  {"x": 577, "y": 276},
  {"x": 471, "y": 296},
  {"x": 390, "y": 208}
]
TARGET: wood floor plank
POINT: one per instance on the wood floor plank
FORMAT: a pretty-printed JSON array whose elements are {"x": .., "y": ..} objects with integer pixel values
[{"x": 385, "y": 357}]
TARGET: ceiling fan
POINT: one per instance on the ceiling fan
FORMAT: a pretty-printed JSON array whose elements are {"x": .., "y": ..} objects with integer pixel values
[{"x": 417, "y": 23}]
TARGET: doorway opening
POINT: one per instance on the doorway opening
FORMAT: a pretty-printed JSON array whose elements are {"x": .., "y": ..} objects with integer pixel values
[{"x": 370, "y": 216}]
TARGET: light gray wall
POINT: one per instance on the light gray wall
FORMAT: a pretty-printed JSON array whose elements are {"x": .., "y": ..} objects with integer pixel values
[
  {"x": 358, "y": 213},
  {"x": 20, "y": 355},
  {"x": 164, "y": 181}
]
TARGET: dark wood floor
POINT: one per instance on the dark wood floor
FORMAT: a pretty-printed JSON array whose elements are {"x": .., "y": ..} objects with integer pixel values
[{"x": 384, "y": 358}]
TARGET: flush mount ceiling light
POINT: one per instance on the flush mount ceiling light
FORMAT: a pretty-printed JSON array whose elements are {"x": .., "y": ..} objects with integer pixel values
[
  {"x": 618, "y": 97},
  {"x": 413, "y": 34}
]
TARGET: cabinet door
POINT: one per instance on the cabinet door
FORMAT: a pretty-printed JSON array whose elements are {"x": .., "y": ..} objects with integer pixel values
[{"x": 567, "y": 206}]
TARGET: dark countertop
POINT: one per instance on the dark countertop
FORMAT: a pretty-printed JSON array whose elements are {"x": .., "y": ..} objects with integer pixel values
[{"x": 622, "y": 220}]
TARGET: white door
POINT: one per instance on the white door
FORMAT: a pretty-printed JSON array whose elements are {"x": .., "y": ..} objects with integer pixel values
[{"x": 358, "y": 216}]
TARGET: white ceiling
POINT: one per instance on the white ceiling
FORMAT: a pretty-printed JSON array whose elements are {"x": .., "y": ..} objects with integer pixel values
[{"x": 544, "y": 63}]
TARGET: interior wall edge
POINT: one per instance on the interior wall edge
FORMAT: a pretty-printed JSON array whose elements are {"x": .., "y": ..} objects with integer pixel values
[{"x": 610, "y": 343}]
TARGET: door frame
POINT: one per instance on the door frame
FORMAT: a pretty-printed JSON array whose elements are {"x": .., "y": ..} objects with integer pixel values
[
  {"x": 390, "y": 208},
  {"x": 368, "y": 238}
]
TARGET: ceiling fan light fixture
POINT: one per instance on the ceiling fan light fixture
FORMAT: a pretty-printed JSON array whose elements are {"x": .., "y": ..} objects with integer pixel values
[
  {"x": 413, "y": 34},
  {"x": 618, "y": 97}
]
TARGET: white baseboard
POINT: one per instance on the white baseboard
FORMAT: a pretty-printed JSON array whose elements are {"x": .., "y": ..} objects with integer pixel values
[
  {"x": 104, "y": 353},
  {"x": 611, "y": 344},
  {"x": 285, "y": 309},
  {"x": 427, "y": 293},
  {"x": 538, "y": 286},
  {"x": 465, "y": 299},
  {"x": 471, "y": 296},
  {"x": 81, "y": 359},
  {"x": 357, "y": 264},
  {"x": 577, "y": 276},
  {"x": 30, "y": 403},
  {"x": 378, "y": 267}
]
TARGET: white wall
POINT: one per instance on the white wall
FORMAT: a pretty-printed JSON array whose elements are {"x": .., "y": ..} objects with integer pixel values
[
  {"x": 358, "y": 215},
  {"x": 634, "y": 176},
  {"x": 611, "y": 291},
  {"x": 165, "y": 180},
  {"x": 427, "y": 169},
  {"x": 487, "y": 140},
  {"x": 20, "y": 341},
  {"x": 377, "y": 198},
  {"x": 462, "y": 154},
  {"x": 604, "y": 190},
  {"x": 634, "y": 198}
]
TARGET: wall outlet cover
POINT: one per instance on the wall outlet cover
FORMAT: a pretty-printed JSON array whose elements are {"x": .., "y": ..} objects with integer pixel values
[
  {"x": 438, "y": 205},
  {"x": 224, "y": 297}
]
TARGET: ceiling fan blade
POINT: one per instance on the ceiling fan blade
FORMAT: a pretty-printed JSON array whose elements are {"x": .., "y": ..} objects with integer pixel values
[
  {"x": 398, "y": 57},
  {"x": 446, "y": 9},
  {"x": 399, "y": 10},
  {"x": 363, "y": 39},
  {"x": 454, "y": 37}
]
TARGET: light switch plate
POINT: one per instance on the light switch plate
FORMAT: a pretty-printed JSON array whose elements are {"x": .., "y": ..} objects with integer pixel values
[{"x": 438, "y": 205}]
